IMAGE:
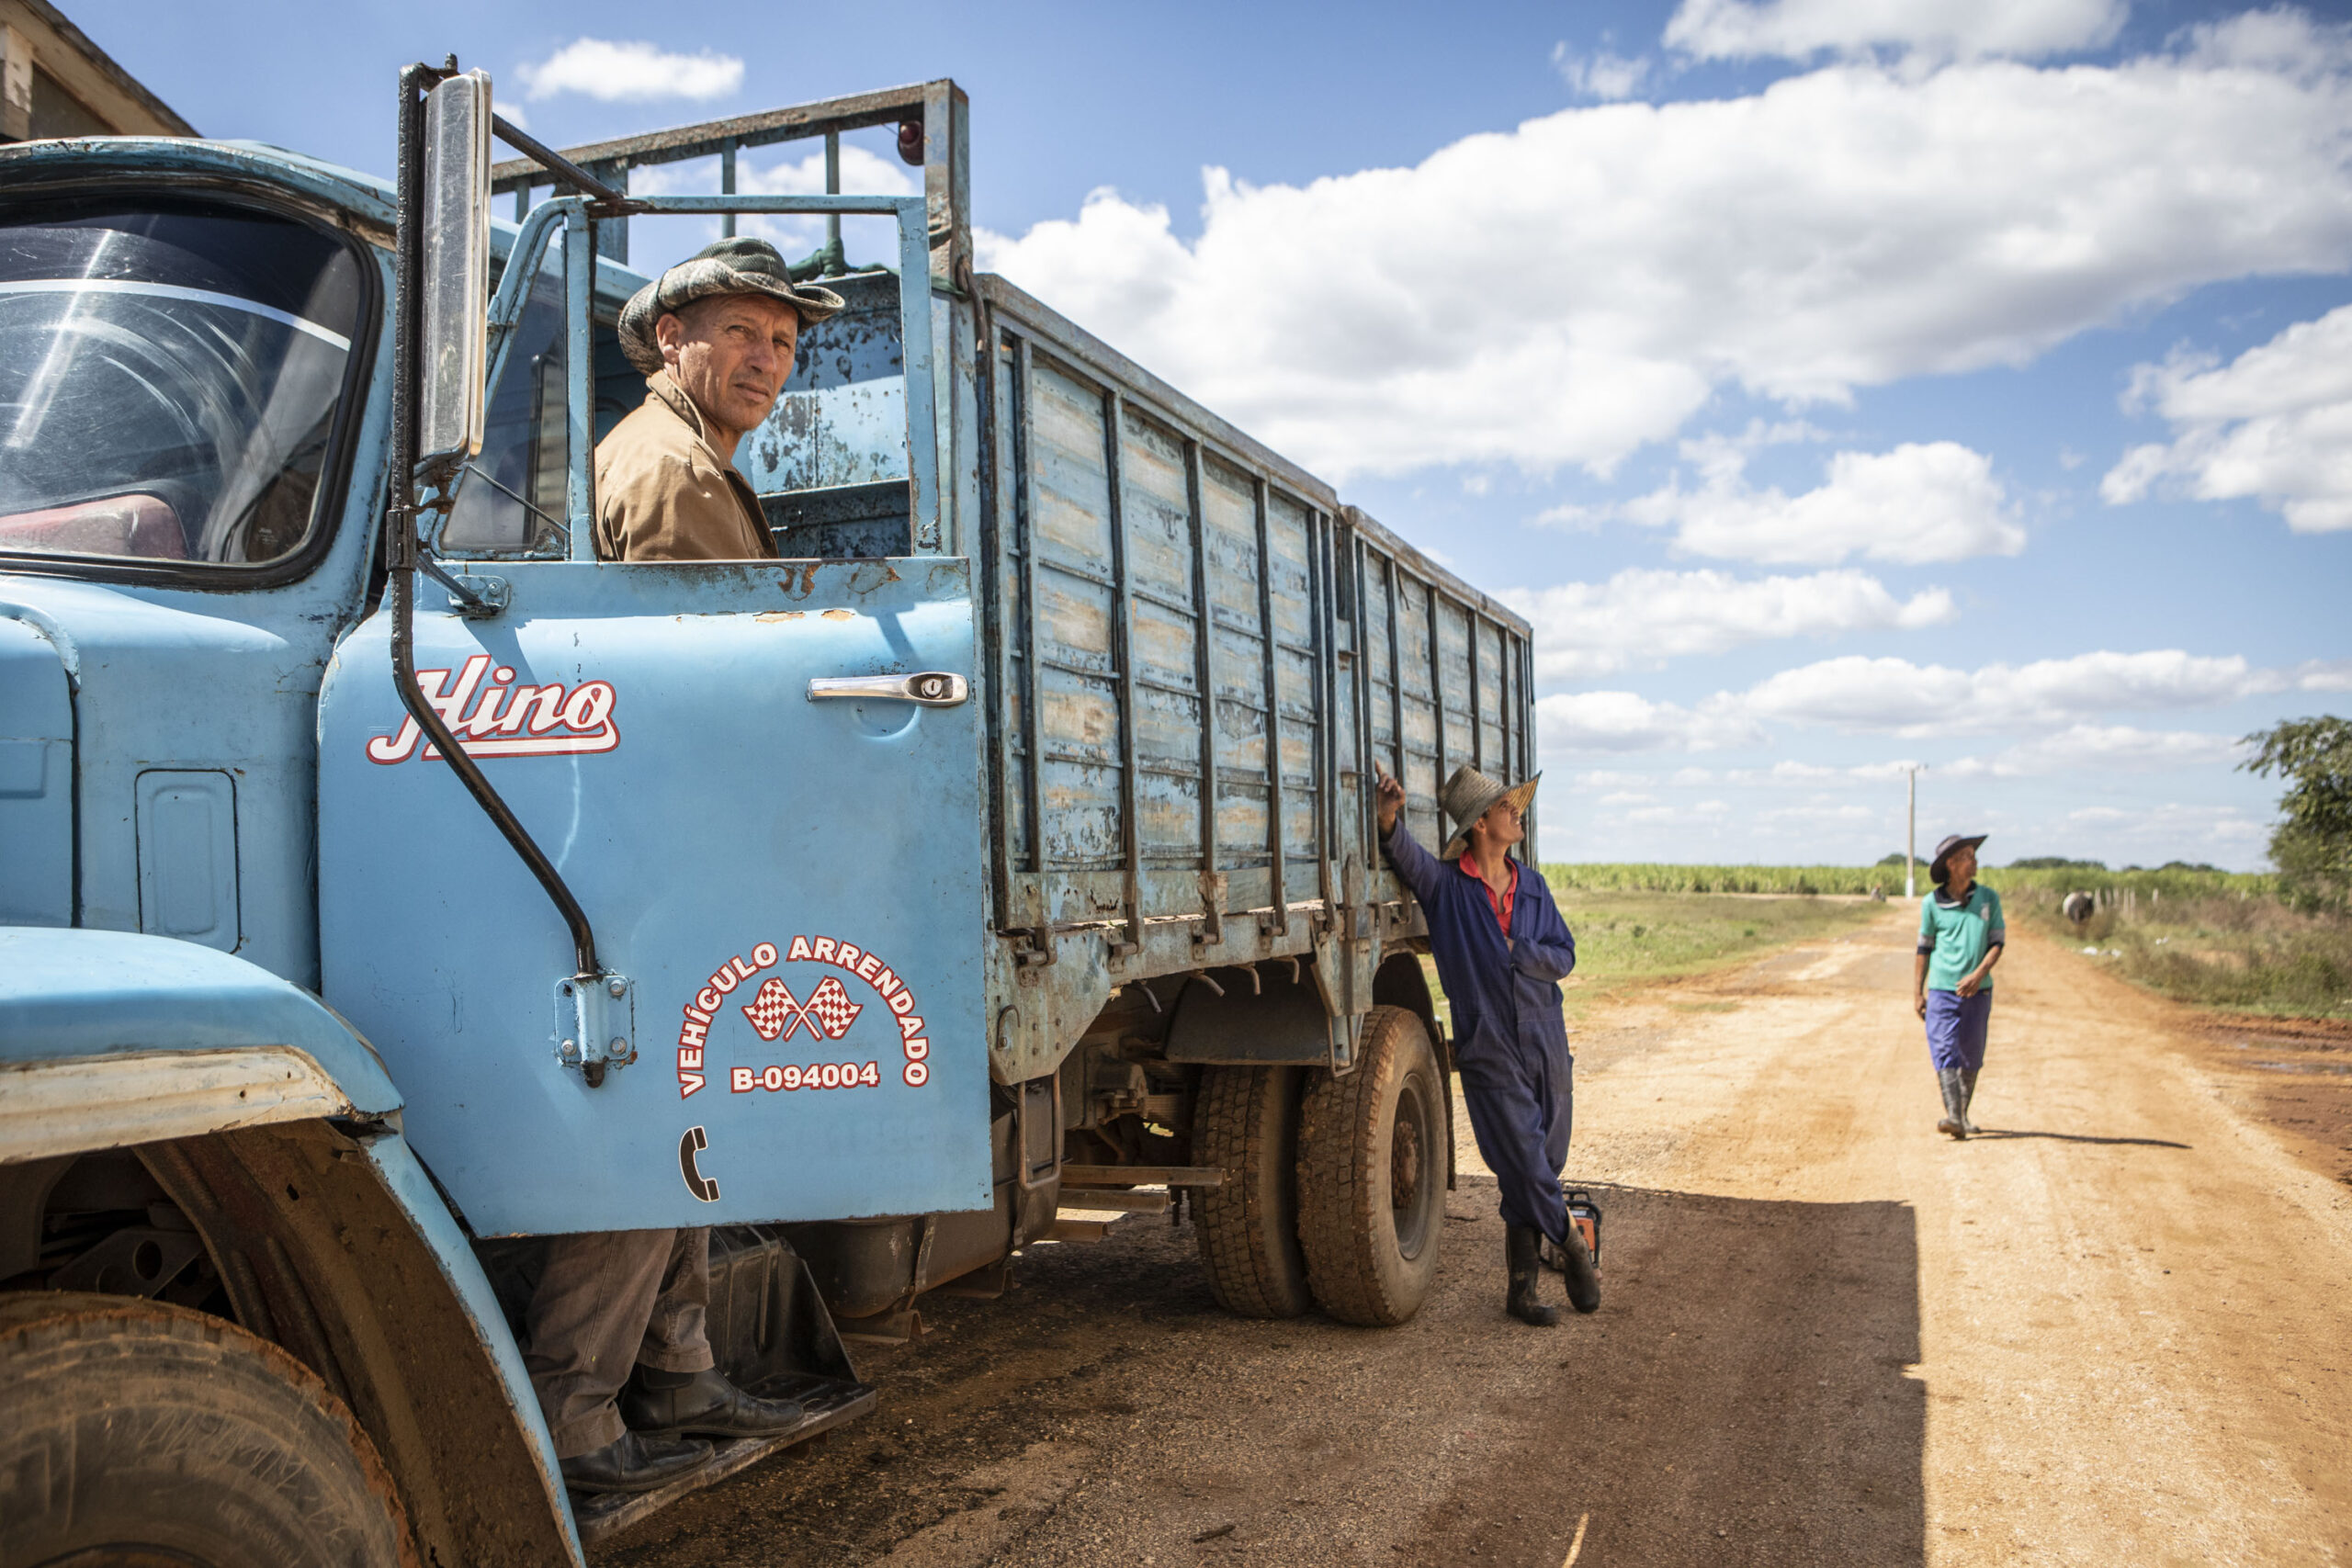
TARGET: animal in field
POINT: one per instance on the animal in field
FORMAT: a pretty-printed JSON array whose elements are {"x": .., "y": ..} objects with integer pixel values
[{"x": 2077, "y": 907}]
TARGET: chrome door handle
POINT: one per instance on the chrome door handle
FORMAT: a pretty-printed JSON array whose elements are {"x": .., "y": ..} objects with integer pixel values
[{"x": 928, "y": 688}]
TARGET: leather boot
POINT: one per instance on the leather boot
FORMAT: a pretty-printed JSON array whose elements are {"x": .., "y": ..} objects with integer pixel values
[
  {"x": 1967, "y": 1097},
  {"x": 1954, "y": 1121},
  {"x": 707, "y": 1405},
  {"x": 635, "y": 1462},
  {"x": 1520, "y": 1247}
]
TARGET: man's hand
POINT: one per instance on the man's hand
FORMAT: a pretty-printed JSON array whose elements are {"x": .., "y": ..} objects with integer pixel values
[
  {"x": 1919, "y": 1003},
  {"x": 1971, "y": 982},
  {"x": 1392, "y": 799}
]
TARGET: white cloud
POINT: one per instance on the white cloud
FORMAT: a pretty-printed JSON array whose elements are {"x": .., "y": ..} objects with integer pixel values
[
  {"x": 1646, "y": 617},
  {"x": 2057, "y": 705},
  {"x": 1600, "y": 74},
  {"x": 1935, "y": 500},
  {"x": 1623, "y": 721},
  {"x": 2102, "y": 749},
  {"x": 2273, "y": 425},
  {"x": 1897, "y": 696},
  {"x": 1606, "y": 269},
  {"x": 632, "y": 72},
  {"x": 1720, "y": 29}
]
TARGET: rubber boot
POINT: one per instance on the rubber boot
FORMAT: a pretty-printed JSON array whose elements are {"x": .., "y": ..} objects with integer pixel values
[
  {"x": 1967, "y": 1095},
  {"x": 1520, "y": 1245},
  {"x": 1574, "y": 1261},
  {"x": 1954, "y": 1123}
]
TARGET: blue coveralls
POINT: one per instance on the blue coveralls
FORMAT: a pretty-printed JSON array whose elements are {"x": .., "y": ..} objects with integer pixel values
[{"x": 1511, "y": 1043}]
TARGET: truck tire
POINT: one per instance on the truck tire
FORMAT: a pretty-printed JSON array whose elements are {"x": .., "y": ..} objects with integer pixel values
[
  {"x": 1246, "y": 1121},
  {"x": 1372, "y": 1175},
  {"x": 135, "y": 1431}
]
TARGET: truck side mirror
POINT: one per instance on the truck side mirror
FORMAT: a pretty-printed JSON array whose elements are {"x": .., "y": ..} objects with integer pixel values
[{"x": 456, "y": 239}]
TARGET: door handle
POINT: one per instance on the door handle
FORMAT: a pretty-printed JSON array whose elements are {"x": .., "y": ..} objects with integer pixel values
[{"x": 928, "y": 688}]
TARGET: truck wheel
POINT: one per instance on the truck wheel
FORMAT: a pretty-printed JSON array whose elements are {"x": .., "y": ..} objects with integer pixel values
[
  {"x": 1246, "y": 1121},
  {"x": 1372, "y": 1175},
  {"x": 138, "y": 1432}
]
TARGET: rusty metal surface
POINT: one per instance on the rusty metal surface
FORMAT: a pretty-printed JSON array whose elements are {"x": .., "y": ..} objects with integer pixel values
[
  {"x": 1195, "y": 656},
  {"x": 707, "y": 139}
]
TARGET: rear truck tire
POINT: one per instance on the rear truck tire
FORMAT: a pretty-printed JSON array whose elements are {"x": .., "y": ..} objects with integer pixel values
[
  {"x": 1245, "y": 1121},
  {"x": 1372, "y": 1175},
  {"x": 137, "y": 1432}
]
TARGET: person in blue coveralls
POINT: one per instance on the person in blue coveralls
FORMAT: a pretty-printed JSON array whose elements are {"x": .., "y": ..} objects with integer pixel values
[
  {"x": 1961, "y": 939},
  {"x": 1502, "y": 951}
]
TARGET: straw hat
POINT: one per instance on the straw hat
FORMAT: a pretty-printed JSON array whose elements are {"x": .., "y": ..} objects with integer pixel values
[
  {"x": 741, "y": 266},
  {"x": 1937, "y": 873},
  {"x": 1470, "y": 795}
]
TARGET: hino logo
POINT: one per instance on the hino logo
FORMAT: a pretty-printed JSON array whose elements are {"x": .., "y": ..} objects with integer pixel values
[{"x": 501, "y": 719}]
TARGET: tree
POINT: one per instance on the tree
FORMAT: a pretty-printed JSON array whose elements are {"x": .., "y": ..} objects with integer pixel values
[{"x": 2311, "y": 846}]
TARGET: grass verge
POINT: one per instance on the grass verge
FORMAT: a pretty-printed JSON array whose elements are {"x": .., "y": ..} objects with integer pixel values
[{"x": 2241, "y": 954}]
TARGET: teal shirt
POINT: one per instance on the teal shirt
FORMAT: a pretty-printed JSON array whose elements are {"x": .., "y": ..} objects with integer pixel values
[{"x": 1955, "y": 934}]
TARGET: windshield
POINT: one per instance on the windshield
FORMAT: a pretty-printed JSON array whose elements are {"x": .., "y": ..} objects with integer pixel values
[{"x": 169, "y": 381}]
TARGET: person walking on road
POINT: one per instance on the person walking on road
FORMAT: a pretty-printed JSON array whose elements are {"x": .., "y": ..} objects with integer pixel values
[
  {"x": 1961, "y": 939},
  {"x": 1502, "y": 951}
]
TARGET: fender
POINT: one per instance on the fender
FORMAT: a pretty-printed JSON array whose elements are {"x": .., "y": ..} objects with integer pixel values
[{"x": 275, "y": 1128}]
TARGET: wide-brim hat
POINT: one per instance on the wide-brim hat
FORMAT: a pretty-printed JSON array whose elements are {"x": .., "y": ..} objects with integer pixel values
[
  {"x": 741, "y": 266},
  {"x": 1470, "y": 795},
  {"x": 1937, "y": 871}
]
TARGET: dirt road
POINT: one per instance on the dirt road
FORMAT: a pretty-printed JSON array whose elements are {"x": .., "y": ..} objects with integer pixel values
[{"x": 2117, "y": 1329}]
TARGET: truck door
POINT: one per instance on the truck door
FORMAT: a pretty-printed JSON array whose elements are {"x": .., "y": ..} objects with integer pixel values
[{"x": 761, "y": 782}]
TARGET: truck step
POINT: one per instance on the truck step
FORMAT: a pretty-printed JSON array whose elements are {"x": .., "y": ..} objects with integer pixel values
[
  {"x": 1143, "y": 1201},
  {"x": 829, "y": 1404},
  {"x": 1142, "y": 1176}
]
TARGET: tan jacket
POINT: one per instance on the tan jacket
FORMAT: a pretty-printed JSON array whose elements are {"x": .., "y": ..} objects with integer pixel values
[{"x": 662, "y": 494}]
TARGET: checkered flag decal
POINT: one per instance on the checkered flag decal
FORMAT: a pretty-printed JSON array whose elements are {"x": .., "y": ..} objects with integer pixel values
[
  {"x": 830, "y": 1005},
  {"x": 773, "y": 1011},
  {"x": 776, "y": 1013}
]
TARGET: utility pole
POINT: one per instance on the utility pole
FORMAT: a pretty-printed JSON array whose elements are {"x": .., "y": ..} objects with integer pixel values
[{"x": 1911, "y": 837}]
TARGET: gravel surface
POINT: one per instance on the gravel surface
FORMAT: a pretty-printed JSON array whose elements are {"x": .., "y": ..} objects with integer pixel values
[{"x": 2111, "y": 1331}]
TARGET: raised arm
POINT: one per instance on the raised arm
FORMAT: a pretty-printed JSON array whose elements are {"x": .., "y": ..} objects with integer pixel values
[{"x": 1416, "y": 867}]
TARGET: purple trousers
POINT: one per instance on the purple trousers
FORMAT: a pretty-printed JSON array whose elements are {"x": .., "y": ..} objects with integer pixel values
[{"x": 1956, "y": 1029}]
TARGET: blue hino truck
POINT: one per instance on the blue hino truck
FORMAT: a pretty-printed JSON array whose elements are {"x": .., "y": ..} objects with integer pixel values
[{"x": 386, "y": 882}]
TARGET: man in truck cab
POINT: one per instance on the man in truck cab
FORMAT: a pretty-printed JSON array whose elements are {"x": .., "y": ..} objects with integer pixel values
[
  {"x": 714, "y": 338},
  {"x": 618, "y": 1349},
  {"x": 1501, "y": 951}
]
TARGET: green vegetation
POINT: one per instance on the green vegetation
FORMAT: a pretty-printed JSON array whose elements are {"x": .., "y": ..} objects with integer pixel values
[
  {"x": 2311, "y": 846},
  {"x": 1645, "y": 936},
  {"x": 2235, "y": 948},
  {"x": 1797, "y": 880}
]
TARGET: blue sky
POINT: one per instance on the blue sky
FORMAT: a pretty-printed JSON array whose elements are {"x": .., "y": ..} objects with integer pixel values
[{"x": 1837, "y": 384}]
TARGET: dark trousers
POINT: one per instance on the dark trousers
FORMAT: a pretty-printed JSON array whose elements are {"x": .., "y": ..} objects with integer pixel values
[
  {"x": 606, "y": 1301},
  {"x": 1520, "y": 1104}
]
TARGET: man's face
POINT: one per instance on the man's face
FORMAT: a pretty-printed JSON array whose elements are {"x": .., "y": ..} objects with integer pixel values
[
  {"x": 1502, "y": 826},
  {"x": 1960, "y": 866},
  {"x": 731, "y": 354}
]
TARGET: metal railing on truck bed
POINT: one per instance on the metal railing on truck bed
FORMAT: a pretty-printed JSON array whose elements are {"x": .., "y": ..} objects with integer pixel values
[{"x": 1138, "y": 552}]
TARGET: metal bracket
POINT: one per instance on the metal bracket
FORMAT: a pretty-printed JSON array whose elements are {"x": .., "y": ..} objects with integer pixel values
[
  {"x": 595, "y": 1023},
  {"x": 1211, "y": 930},
  {"x": 488, "y": 597}
]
